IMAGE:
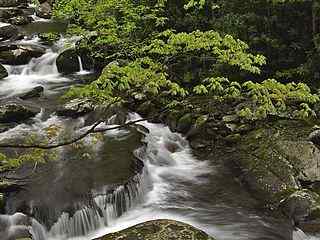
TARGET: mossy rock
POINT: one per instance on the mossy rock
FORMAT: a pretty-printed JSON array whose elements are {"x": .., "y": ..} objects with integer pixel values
[
  {"x": 185, "y": 123},
  {"x": 49, "y": 38},
  {"x": 159, "y": 230},
  {"x": 274, "y": 157}
]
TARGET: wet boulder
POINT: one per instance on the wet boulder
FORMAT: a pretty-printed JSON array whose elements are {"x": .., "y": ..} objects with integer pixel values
[
  {"x": 159, "y": 229},
  {"x": 14, "y": 112},
  {"x": 76, "y": 108},
  {"x": 44, "y": 10},
  {"x": 3, "y": 72},
  {"x": 68, "y": 62},
  {"x": 7, "y": 31},
  {"x": 19, "y": 54},
  {"x": 36, "y": 92}
]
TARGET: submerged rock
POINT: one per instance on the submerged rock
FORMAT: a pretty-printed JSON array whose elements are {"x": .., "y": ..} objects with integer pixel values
[
  {"x": 19, "y": 54},
  {"x": 36, "y": 92},
  {"x": 13, "y": 112},
  {"x": 159, "y": 230},
  {"x": 3, "y": 72}
]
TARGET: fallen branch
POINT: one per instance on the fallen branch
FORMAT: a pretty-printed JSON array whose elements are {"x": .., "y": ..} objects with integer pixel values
[{"x": 76, "y": 139}]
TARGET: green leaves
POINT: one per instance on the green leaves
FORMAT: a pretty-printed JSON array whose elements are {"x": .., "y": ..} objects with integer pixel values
[
  {"x": 143, "y": 76},
  {"x": 226, "y": 49},
  {"x": 274, "y": 98}
]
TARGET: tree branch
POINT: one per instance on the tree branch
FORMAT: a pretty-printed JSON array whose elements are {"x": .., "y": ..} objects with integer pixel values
[{"x": 76, "y": 139}]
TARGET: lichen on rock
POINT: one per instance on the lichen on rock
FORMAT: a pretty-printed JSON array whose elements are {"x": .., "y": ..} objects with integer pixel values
[{"x": 159, "y": 230}]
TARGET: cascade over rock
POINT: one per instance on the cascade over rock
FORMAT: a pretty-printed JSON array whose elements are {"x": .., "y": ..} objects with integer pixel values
[{"x": 158, "y": 230}]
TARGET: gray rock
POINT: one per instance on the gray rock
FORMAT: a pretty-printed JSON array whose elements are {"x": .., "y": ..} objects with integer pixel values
[
  {"x": 13, "y": 3},
  {"x": 303, "y": 156},
  {"x": 315, "y": 137},
  {"x": 3, "y": 72},
  {"x": 7, "y": 13},
  {"x": 7, "y": 31},
  {"x": 19, "y": 54},
  {"x": 44, "y": 10},
  {"x": 13, "y": 112},
  {"x": 76, "y": 108},
  {"x": 298, "y": 206}
]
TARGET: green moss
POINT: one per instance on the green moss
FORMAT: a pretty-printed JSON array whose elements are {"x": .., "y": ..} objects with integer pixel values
[{"x": 159, "y": 230}]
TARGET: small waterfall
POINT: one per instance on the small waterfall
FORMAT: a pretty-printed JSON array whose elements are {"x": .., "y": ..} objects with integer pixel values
[
  {"x": 39, "y": 71},
  {"x": 106, "y": 206},
  {"x": 82, "y": 71},
  {"x": 80, "y": 64},
  {"x": 37, "y": 231}
]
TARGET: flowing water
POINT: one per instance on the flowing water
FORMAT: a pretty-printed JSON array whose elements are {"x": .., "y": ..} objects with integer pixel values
[{"x": 93, "y": 190}]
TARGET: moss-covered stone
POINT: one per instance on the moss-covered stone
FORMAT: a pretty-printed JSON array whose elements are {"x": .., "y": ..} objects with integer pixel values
[
  {"x": 185, "y": 122},
  {"x": 159, "y": 230}
]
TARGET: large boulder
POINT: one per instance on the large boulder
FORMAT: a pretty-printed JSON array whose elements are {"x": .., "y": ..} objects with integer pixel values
[
  {"x": 14, "y": 112},
  {"x": 68, "y": 62},
  {"x": 19, "y": 54},
  {"x": 3, "y": 72},
  {"x": 158, "y": 230},
  {"x": 7, "y": 31}
]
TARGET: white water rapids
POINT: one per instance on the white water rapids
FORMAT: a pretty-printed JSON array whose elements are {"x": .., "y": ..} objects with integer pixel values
[{"x": 174, "y": 184}]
